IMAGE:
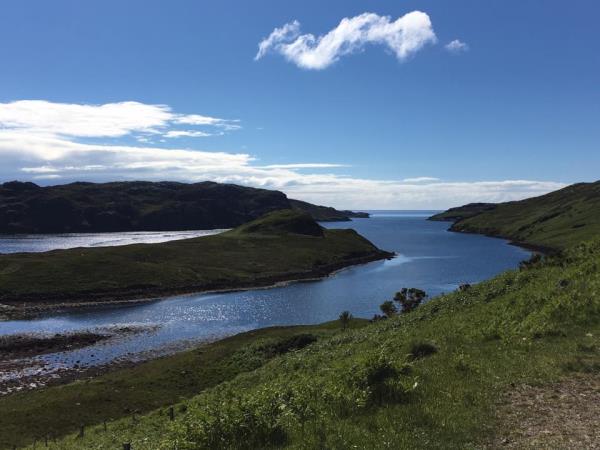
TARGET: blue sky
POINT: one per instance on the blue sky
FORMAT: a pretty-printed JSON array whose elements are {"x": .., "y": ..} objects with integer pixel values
[{"x": 513, "y": 114}]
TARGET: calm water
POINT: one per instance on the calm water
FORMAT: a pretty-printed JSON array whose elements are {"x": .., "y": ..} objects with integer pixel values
[
  {"x": 44, "y": 242},
  {"x": 429, "y": 257}
]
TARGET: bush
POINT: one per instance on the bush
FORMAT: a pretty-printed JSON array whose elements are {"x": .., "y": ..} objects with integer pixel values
[
  {"x": 388, "y": 308},
  {"x": 379, "y": 379},
  {"x": 422, "y": 349},
  {"x": 345, "y": 319},
  {"x": 410, "y": 298},
  {"x": 292, "y": 343}
]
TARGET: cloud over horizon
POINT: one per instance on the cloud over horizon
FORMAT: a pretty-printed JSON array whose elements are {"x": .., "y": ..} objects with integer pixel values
[
  {"x": 404, "y": 37},
  {"x": 45, "y": 145}
]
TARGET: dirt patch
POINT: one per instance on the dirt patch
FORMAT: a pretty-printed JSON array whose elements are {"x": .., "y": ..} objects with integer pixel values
[
  {"x": 27, "y": 345},
  {"x": 563, "y": 415}
]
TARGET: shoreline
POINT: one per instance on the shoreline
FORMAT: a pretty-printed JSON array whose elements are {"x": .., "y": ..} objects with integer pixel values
[
  {"x": 17, "y": 309},
  {"x": 544, "y": 250}
]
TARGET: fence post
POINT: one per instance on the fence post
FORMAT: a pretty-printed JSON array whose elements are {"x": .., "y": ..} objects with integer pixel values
[
  {"x": 127, "y": 446},
  {"x": 105, "y": 425},
  {"x": 172, "y": 413},
  {"x": 82, "y": 431}
]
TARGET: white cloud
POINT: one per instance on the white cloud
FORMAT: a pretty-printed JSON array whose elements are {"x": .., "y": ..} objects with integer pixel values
[
  {"x": 420, "y": 179},
  {"x": 186, "y": 133},
  {"x": 38, "y": 146},
  {"x": 286, "y": 33},
  {"x": 404, "y": 37},
  {"x": 304, "y": 166},
  {"x": 27, "y": 156},
  {"x": 111, "y": 120},
  {"x": 456, "y": 46}
]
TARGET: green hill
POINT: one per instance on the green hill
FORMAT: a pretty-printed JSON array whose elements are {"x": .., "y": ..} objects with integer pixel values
[
  {"x": 556, "y": 220},
  {"x": 438, "y": 377},
  {"x": 283, "y": 245},
  {"x": 429, "y": 379}
]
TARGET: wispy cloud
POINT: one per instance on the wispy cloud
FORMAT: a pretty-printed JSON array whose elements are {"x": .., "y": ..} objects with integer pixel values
[
  {"x": 110, "y": 120},
  {"x": 456, "y": 46},
  {"x": 36, "y": 145},
  {"x": 304, "y": 166},
  {"x": 404, "y": 37},
  {"x": 186, "y": 133},
  {"x": 420, "y": 179}
]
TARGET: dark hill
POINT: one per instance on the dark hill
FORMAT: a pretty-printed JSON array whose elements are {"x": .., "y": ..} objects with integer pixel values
[
  {"x": 326, "y": 213},
  {"x": 140, "y": 206}
]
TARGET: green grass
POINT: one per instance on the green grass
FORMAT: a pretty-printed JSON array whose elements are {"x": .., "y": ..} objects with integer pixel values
[
  {"x": 428, "y": 379},
  {"x": 281, "y": 246},
  {"x": 556, "y": 220},
  {"x": 58, "y": 410}
]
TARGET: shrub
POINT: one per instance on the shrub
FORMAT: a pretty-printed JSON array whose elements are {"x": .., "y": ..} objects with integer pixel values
[
  {"x": 388, "y": 308},
  {"x": 422, "y": 349},
  {"x": 379, "y": 379},
  {"x": 378, "y": 317},
  {"x": 292, "y": 343},
  {"x": 410, "y": 298},
  {"x": 345, "y": 319}
]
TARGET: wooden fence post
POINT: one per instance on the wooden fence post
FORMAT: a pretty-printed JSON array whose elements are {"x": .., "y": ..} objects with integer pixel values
[{"x": 171, "y": 413}]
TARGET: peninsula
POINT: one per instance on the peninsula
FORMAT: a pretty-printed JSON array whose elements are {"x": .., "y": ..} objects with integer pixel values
[{"x": 281, "y": 246}]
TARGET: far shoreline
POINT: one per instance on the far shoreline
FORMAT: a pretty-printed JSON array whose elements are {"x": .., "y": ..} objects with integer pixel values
[{"x": 19, "y": 310}]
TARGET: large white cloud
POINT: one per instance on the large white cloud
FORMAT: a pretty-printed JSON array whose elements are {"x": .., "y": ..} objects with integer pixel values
[
  {"x": 108, "y": 120},
  {"x": 36, "y": 145},
  {"x": 403, "y": 36}
]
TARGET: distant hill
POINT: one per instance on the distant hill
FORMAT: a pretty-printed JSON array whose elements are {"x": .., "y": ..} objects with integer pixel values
[
  {"x": 326, "y": 213},
  {"x": 555, "y": 221},
  {"x": 141, "y": 206}
]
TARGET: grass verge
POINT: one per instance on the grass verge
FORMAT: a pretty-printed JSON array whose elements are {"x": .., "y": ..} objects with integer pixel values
[{"x": 376, "y": 387}]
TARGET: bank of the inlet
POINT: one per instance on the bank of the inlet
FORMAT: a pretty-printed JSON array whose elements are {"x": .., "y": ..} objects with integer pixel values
[{"x": 281, "y": 246}]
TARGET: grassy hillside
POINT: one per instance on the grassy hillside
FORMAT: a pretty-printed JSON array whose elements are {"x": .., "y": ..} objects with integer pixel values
[
  {"x": 132, "y": 206},
  {"x": 427, "y": 379},
  {"x": 283, "y": 245},
  {"x": 59, "y": 410},
  {"x": 556, "y": 220}
]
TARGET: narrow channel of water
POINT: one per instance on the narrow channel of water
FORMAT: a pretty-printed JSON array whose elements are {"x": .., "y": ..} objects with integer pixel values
[{"x": 429, "y": 257}]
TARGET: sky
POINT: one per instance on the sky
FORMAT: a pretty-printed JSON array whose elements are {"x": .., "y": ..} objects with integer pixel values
[{"x": 355, "y": 104}]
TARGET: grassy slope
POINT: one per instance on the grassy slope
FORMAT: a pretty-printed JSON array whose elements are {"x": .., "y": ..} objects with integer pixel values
[
  {"x": 57, "y": 410},
  {"x": 556, "y": 220},
  {"x": 363, "y": 389},
  {"x": 280, "y": 246},
  {"x": 325, "y": 213}
]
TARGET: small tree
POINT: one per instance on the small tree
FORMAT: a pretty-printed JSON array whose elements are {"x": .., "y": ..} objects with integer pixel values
[
  {"x": 388, "y": 308},
  {"x": 410, "y": 298},
  {"x": 345, "y": 318},
  {"x": 464, "y": 287}
]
